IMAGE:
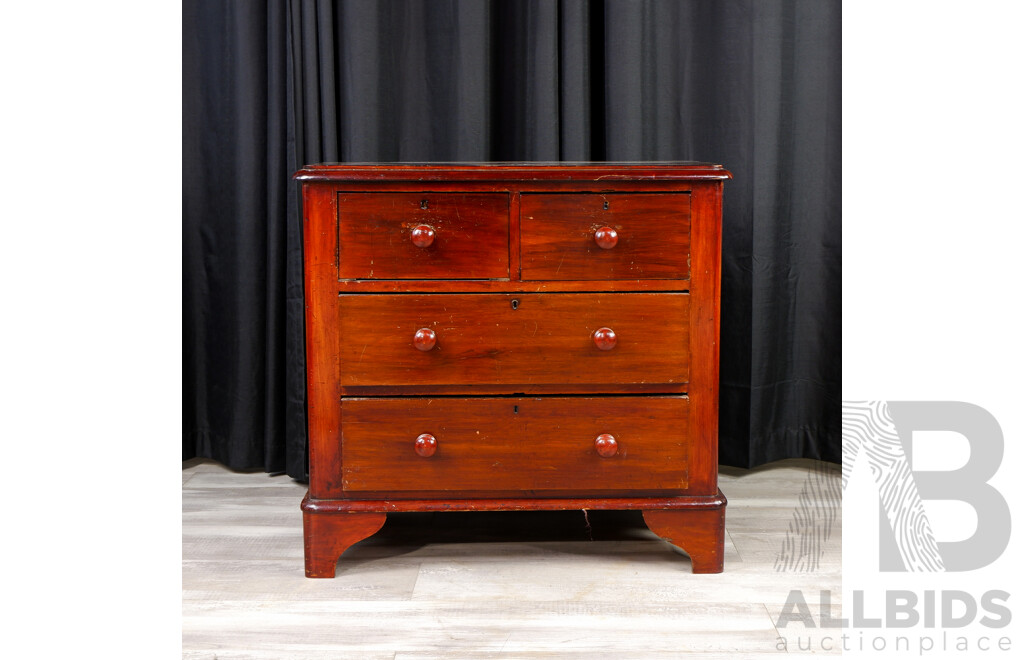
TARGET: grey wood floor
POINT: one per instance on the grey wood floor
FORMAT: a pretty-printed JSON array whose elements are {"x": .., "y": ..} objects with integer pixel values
[{"x": 509, "y": 585}]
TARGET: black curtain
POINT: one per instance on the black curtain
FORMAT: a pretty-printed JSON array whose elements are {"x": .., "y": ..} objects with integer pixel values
[{"x": 751, "y": 84}]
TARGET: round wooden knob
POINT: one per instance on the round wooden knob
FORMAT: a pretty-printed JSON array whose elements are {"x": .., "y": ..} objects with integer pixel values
[
  {"x": 422, "y": 236},
  {"x": 426, "y": 445},
  {"x": 424, "y": 339},
  {"x": 604, "y": 338},
  {"x": 606, "y": 238},
  {"x": 605, "y": 445}
]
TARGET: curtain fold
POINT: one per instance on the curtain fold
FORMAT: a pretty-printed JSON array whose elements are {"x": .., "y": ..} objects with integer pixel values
[{"x": 267, "y": 88}]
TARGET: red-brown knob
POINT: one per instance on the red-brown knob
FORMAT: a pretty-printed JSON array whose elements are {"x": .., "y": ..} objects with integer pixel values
[
  {"x": 605, "y": 445},
  {"x": 422, "y": 236},
  {"x": 426, "y": 445},
  {"x": 604, "y": 338},
  {"x": 424, "y": 339},
  {"x": 606, "y": 238}
]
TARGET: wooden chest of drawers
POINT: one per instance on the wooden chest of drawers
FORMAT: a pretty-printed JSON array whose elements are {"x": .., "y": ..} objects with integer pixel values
[{"x": 512, "y": 337}]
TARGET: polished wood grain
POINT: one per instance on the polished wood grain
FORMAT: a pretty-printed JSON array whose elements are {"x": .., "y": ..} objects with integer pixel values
[
  {"x": 611, "y": 175},
  {"x": 320, "y": 231},
  {"x": 706, "y": 273},
  {"x": 563, "y": 503},
  {"x": 485, "y": 444},
  {"x": 428, "y": 389},
  {"x": 483, "y": 340},
  {"x": 526, "y": 281},
  {"x": 328, "y": 535},
  {"x": 425, "y": 445},
  {"x": 424, "y": 339},
  {"x": 514, "y": 243},
  {"x": 701, "y": 533},
  {"x": 606, "y": 445},
  {"x": 422, "y": 235},
  {"x": 508, "y": 286},
  {"x": 605, "y": 236},
  {"x": 605, "y": 339}
]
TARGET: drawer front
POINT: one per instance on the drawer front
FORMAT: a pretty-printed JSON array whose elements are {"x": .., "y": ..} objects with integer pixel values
[
  {"x": 422, "y": 235},
  {"x": 644, "y": 236},
  {"x": 513, "y": 339},
  {"x": 498, "y": 444}
]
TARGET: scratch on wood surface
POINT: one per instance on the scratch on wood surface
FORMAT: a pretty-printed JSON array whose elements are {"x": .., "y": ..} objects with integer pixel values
[
  {"x": 361, "y": 354},
  {"x": 560, "y": 264}
]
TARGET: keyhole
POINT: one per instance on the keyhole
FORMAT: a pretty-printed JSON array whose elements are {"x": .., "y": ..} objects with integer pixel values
[
  {"x": 606, "y": 205},
  {"x": 515, "y": 409},
  {"x": 423, "y": 204},
  {"x": 515, "y": 303}
]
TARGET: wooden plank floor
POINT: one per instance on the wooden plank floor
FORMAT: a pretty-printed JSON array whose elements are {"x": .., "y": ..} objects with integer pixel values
[{"x": 489, "y": 585}]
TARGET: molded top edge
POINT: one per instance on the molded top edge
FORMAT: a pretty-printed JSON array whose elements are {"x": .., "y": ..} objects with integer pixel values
[{"x": 567, "y": 171}]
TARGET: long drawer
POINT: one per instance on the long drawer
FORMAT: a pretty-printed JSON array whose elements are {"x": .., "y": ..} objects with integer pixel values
[
  {"x": 515, "y": 443},
  {"x": 513, "y": 339}
]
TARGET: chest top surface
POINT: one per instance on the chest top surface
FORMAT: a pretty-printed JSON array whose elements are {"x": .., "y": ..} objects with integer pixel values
[{"x": 513, "y": 171}]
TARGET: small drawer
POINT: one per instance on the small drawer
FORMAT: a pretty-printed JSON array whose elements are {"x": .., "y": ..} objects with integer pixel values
[
  {"x": 615, "y": 236},
  {"x": 522, "y": 444},
  {"x": 520, "y": 340},
  {"x": 422, "y": 236}
]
